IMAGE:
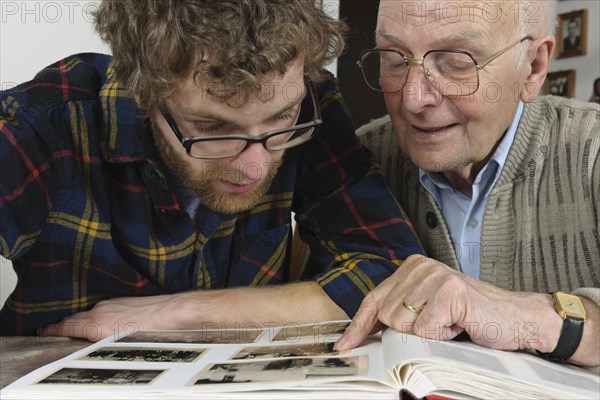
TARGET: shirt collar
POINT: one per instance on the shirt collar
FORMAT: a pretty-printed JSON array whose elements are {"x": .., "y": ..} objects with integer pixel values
[
  {"x": 489, "y": 174},
  {"x": 501, "y": 153}
]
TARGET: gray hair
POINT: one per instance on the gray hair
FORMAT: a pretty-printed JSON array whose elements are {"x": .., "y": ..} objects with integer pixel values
[{"x": 536, "y": 18}]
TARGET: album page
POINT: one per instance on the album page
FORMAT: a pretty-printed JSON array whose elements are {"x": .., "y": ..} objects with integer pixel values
[{"x": 293, "y": 361}]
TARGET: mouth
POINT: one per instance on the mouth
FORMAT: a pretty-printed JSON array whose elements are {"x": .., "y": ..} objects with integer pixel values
[
  {"x": 432, "y": 130},
  {"x": 234, "y": 187},
  {"x": 431, "y": 133}
]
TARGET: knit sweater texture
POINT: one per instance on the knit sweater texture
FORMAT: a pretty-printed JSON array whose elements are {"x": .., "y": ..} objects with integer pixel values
[{"x": 540, "y": 229}]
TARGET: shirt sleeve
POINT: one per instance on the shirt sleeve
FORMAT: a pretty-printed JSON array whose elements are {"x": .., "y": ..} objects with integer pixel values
[
  {"x": 357, "y": 233},
  {"x": 29, "y": 173}
]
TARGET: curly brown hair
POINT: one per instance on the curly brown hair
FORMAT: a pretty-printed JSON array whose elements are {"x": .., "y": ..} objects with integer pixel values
[{"x": 157, "y": 43}]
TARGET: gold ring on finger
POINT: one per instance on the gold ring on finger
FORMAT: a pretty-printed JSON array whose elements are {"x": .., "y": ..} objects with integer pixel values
[{"x": 411, "y": 308}]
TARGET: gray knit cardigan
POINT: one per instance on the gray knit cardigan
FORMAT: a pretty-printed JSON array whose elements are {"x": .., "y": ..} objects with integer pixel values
[{"x": 540, "y": 229}]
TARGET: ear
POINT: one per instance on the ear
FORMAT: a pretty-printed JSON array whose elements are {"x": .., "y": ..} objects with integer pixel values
[{"x": 538, "y": 59}]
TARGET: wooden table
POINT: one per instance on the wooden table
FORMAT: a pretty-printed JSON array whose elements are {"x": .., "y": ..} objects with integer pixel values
[{"x": 19, "y": 355}]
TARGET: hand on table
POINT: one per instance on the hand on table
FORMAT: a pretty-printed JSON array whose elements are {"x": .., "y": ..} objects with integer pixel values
[
  {"x": 426, "y": 298},
  {"x": 120, "y": 314}
]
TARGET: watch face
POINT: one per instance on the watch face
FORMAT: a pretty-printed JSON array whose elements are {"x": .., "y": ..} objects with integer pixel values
[{"x": 569, "y": 305}]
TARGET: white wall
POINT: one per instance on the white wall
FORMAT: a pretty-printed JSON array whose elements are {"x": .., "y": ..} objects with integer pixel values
[
  {"x": 588, "y": 66},
  {"x": 8, "y": 279},
  {"x": 36, "y": 33}
]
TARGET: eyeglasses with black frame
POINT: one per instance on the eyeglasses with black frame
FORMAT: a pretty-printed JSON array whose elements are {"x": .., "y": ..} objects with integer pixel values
[
  {"x": 450, "y": 72},
  {"x": 231, "y": 145}
]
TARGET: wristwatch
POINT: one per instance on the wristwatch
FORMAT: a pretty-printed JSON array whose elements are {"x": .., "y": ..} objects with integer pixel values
[{"x": 571, "y": 310}]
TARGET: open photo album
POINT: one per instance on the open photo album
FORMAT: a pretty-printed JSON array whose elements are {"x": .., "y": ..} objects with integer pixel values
[{"x": 296, "y": 361}]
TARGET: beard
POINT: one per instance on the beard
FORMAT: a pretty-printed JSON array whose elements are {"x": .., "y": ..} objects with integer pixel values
[{"x": 201, "y": 181}]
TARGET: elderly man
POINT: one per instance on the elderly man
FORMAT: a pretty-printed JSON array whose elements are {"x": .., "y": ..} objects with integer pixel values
[
  {"x": 154, "y": 189},
  {"x": 502, "y": 185}
]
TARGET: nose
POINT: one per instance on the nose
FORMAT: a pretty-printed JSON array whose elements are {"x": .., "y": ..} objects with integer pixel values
[
  {"x": 252, "y": 162},
  {"x": 418, "y": 91}
]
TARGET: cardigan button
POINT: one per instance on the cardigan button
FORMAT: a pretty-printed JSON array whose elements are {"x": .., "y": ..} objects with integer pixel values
[
  {"x": 154, "y": 174},
  {"x": 431, "y": 219}
]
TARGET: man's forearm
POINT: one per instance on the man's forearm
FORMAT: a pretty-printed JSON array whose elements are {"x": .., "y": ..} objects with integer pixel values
[{"x": 299, "y": 303}]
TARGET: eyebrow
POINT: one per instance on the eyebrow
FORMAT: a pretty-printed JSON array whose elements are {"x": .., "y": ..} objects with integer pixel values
[
  {"x": 382, "y": 33},
  {"x": 461, "y": 37},
  {"x": 217, "y": 117}
]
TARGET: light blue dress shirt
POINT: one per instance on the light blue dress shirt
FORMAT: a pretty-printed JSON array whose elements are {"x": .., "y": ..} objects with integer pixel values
[{"x": 464, "y": 215}]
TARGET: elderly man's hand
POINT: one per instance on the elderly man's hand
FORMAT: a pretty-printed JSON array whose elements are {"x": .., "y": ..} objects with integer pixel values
[{"x": 429, "y": 299}]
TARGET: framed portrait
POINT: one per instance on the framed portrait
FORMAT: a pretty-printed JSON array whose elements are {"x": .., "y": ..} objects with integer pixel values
[
  {"x": 560, "y": 83},
  {"x": 571, "y": 35}
]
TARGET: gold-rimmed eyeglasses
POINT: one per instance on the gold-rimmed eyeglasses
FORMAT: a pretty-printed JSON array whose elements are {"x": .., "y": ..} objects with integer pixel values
[
  {"x": 214, "y": 146},
  {"x": 450, "y": 72}
]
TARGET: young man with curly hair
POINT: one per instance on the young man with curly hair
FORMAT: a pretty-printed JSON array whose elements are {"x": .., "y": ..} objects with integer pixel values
[{"x": 154, "y": 189}]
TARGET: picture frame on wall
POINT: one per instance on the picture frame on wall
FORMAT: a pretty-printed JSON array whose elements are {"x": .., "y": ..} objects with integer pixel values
[
  {"x": 561, "y": 83},
  {"x": 571, "y": 34}
]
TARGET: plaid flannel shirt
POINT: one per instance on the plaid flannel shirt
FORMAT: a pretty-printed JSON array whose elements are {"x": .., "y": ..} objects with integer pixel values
[{"x": 87, "y": 213}]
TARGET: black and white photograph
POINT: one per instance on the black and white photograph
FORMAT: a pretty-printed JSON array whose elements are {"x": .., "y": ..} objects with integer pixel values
[
  {"x": 571, "y": 34},
  {"x": 98, "y": 376},
  {"x": 561, "y": 83},
  {"x": 299, "y": 350},
  {"x": 139, "y": 354},
  {"x": 204, "y": 336},
  {"x": 318, "y": 331},
  {"x": 287, "y": 369}
]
